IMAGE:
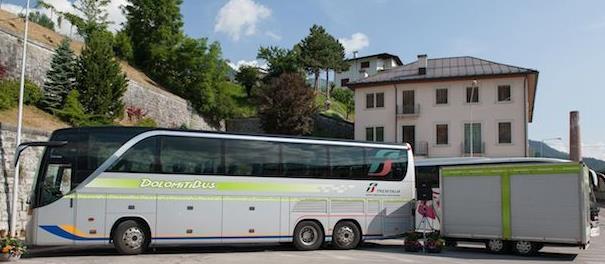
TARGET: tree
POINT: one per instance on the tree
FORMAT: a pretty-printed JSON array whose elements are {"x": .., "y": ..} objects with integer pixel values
[
  {"x": 315, "y": 52},
  {"x": 286, "y": 105},
  {"x": 73, "y": 111},
  {"x": 155, "y": 28},
  {"x": 247, "y": 76},
  {"x": 99, "y": 78},
  {"x": 122, "y": 46},
  {"x": 336, "y": 61},
  {"x": 280, "y": 60},
  {"x": 346, "y": 97},
  {"x": 42, "y": 20},
  {"x": 60, "y": 79}
]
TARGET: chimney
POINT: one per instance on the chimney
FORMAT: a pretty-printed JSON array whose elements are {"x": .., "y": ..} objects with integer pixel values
[
  {"x": 575, "y": 143},
  {"x": 422, "y": 63},
  {"x": 355, "y": 54}
]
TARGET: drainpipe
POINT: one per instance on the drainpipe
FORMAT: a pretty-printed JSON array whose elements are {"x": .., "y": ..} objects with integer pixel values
[
  {"x": 525, "y": 112},
  {"x": 396, "y": 92}
]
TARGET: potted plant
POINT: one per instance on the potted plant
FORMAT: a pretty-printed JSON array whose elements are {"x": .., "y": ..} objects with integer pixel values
[
  {"x": 434, "y": 243},
  {"x": 12, "y": 248},
  {"x": 411, "y": 243}
]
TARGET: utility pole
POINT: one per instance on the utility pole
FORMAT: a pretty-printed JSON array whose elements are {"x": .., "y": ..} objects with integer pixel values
[{"x": 13, "y": 225}]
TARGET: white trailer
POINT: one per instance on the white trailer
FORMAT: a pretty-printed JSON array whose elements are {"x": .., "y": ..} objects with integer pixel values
[{"x": 519, "y": 207}]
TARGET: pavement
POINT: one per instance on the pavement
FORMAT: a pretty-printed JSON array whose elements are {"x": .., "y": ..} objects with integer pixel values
[{"x": 385, "y": 251}]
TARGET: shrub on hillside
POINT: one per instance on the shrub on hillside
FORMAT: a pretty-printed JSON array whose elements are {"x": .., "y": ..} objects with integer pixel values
[
  {"x": 9, "y": 94},
  {"x": 146, "y": 122},
  {"x": 346, "y": 97}
]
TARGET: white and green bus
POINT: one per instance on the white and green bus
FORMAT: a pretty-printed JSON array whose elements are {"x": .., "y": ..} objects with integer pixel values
[{"x": 138, "y": 187}]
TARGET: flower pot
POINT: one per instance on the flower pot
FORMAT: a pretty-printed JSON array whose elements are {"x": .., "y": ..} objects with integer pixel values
[
  {"x": 6, "y": 257},
  {"x": 412, "y": 246}
]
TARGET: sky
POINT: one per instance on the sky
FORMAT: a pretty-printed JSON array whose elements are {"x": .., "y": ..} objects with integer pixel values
[{"x": 563, "y": 40}]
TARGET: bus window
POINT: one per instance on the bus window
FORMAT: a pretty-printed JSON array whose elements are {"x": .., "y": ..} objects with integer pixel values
[
  {"x": 386, "y": 164},
  {"x": 251, "y": 158},
  {"x": 303, "y": 160},
  {"x": 191, "y": 155},
  {"x": 141, "y": 158},
  {"x": 347, "y": 162},
  {"x": 427, "y": 176}
]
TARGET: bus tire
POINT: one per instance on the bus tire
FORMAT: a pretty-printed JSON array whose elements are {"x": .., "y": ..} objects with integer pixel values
[
  {"x": 130, "y": 238},
  {"x": 308, "y": 235},
  {"x": 346, "y": 235}
]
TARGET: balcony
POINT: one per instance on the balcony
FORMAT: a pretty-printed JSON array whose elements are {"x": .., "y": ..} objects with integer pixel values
[
  {"x": 408, "y": 110},
  {"x": 421, "y": 148},
  {"x": 478, "y": 148}
]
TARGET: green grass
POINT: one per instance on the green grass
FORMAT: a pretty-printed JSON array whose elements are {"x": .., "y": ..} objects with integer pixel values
[
  {"x": 244, "y": 106},
  {"x": 337, "y": 109}
]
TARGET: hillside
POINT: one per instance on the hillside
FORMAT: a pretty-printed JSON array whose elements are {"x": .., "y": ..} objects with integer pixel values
[
  {"x": 32, "y": 118},
  {"x": 549, "y": 152},
  {"x": 337, "y": 109},
  {"x": 12, "y": 23}
]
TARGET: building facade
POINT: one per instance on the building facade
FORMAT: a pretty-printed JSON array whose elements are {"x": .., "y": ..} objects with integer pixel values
[
  {"x": 448, "y": 107},
  {"x": 362, "y": 67}
]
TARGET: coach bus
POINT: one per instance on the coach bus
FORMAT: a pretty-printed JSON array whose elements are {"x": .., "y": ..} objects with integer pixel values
[{"x": 137, "y": 187}]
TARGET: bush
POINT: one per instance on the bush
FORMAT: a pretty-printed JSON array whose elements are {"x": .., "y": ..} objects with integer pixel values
[
  {"x": 146, "y": 122},
  {"x": 9, "y": 94},
  {"x": 73, "y": 111}
]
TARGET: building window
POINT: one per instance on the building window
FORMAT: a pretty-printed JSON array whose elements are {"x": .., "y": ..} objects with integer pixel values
[
  {"x": 375, "y": 134},
  {"x": 369, "y": 134},
  {"x": 379, "y": 134},
  {"x": 442, "y": 134},
  {"x": 344, "y": 82},
  {"x": 379, "y": 99},
  {"x": 504, "y": 93},
  {"x": 365, "y": 64},
  {"x": 472, "y": 94},
  {"x": 504, "y": 133},
  {"x": 370, "y": 100},
  {"x": 441, "y": 96}
]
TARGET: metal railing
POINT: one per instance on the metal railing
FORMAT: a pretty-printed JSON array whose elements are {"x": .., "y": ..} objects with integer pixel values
[
  {"x": 477, "y": 148},
  {"x": 408, "y": 110}
]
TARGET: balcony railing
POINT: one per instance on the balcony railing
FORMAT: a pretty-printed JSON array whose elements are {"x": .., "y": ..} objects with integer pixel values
[
  {"x": 421, "y": 148},
  {"x": 408, "y": 110},
  {"x": 477, "y": 148}
]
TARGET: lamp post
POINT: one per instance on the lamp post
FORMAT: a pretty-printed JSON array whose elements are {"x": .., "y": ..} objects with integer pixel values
[
  {"x": 13, "y": 225},
  {"x": 470, "y": 109},
  {"x": 542, "y": 145}
]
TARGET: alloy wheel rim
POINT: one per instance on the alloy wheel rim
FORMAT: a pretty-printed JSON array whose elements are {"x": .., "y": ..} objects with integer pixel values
[
  {"x": 133, "y": 238},
  {"x": 496, "y": 245},
  {"x": 523, "y": 247},
  {"x": 345, "y": 235},
  {"x": 308, "y": 235}
]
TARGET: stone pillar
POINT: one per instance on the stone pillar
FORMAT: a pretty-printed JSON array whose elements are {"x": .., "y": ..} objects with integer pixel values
[{"x": 575, "y": 143}]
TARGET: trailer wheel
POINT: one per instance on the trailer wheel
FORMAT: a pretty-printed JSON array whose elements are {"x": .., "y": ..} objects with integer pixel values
[
  {"x": 526, "y": 248},
  {"x": 497, "y": 246}
]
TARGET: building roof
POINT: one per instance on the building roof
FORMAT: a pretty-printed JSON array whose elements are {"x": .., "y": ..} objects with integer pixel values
[
  {"x": 452, "y": 68},
  {"x": 383, "y": 55}
]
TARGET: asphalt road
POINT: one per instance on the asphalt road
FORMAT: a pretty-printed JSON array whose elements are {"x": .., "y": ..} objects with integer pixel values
[{"x": 387, "y": 251}]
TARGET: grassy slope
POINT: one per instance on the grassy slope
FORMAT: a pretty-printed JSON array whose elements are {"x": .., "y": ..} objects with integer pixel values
[
  {"x": 32, "y": 118},
  {"x": 337, "y": 109}
]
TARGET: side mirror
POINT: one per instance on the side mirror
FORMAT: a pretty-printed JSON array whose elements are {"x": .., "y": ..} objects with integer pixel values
[{"x": 26, "y": 145}]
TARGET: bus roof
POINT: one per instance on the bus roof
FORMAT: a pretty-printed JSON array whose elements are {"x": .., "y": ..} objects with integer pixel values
[
  {"x": 482, "y": 160},
  {"x": 139, "y": 130}
]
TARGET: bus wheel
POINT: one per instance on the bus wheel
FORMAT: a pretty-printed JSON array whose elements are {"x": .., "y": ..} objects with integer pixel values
[
  {"x": 346, "y": 235},
  {"x": 497, "y": 246},
  {"x": 525, "y": 248},
  {"x": 308, "y": 235},
  {"x": 130, "y": 238}
]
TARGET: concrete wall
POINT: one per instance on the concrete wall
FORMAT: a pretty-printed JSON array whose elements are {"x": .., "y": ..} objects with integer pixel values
[
  {"x": 29, "y": 165},
  {"x": 167, "y": 109},
  {"x": 488, "y": 112}
]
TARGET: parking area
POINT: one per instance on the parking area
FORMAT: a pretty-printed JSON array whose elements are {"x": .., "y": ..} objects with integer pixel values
[{"x": 386, "y": 251}]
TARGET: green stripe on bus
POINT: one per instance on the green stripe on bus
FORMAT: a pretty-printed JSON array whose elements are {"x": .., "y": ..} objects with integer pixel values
[
  {"x": 499, "y": 170},
  {"x": 114, "y": 183},
  {"x": 505, "y": 196}
]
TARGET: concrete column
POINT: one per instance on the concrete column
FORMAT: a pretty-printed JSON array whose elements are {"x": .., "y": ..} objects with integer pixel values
[{"x": 575, "y": 143}]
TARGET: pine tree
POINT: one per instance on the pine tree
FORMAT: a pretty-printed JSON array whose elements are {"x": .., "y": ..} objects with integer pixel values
[
  {"x": 60, "y": 79},
  {"x": 101, "y": 82}
]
